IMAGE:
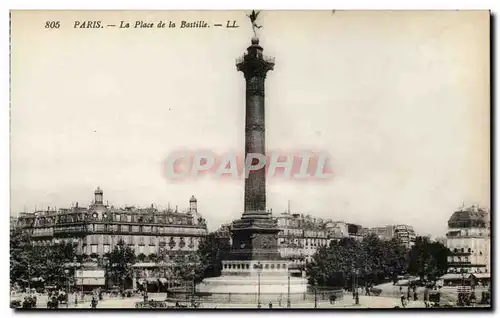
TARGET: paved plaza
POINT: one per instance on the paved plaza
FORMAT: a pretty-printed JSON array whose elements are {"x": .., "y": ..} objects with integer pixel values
[
  {"x": 346, "y": 302},
  {"x": 389, "y": 298}
]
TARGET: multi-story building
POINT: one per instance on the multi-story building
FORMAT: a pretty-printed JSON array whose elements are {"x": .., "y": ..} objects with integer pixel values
[
  {"x": 301, "y": 236},
  {"x": 468, "y": 239},
  {"x": 405, "y": 233},
  {"x": 356, "y": 231},
  {"x": 96, "y": 229},
  {"x": 383, "y": 232}
]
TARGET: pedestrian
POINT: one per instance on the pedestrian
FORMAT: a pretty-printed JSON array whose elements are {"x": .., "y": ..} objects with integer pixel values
[
  {"x": 415, "y": 295},
  {"x": 402, "y": 299},
  {"x": 93, "y": 302},
  {"x": 333, "y": 298},
  {"x": 408, "y": 294},
  {"x": 426, "y": 297},
  {"x": 357, "y": 298},
  {"x": 270, "y": 305}
]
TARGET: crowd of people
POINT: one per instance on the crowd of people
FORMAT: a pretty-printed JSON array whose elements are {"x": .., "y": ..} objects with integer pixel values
[{"x": 28, "y": 298}]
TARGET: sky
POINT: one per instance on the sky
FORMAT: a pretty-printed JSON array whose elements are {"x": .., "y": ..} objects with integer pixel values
[{"x": 399, "y": 100}]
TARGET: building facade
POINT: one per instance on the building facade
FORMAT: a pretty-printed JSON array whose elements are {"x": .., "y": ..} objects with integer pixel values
[
  {"x": 95, "y": 230},
  {"x": 405, "y": 233},
  {"x": 468, "y": 239},
  {"x": 300, "y": 235}
]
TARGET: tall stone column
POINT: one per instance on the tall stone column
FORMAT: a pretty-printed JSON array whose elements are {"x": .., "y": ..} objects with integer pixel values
[
  {"x": 255, "y": 66},
  {"x": 255, "y": 234}
]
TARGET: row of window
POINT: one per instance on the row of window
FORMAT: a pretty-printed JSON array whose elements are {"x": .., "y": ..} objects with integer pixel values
[
  {"x": 307, "y": 242},
  {"x": 458, "y": 259},
  {"x": 255, "y": 266},
  {"x": 125, "y": 229},
  {"x": 306, "y": 233},
  {"x": 161, "y": 219},
  {"x": 465, "y": 250},
  {"x": 467, "y": 270},
  {"x": 106, "y": 248},
  {"x": 141, "y": 240}
]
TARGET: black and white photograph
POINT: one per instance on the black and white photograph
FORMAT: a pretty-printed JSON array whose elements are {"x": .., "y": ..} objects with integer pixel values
[{"x": 254, "y": 159}]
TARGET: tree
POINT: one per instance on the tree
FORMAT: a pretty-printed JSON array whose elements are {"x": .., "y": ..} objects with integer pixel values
[
  {"x": 19, "y": 261},
  {"x": 29, "y": 262},
  {"x": 120, "y": 263},
  {"x": 333, "y": 265},
  {"x": 428, "y": 260},
  {"x": 397, "y": 257},
  {"x": 141, "y": 257},
  {"x": 188, "y": 266},
  {"x": 153, "y": 257},
  {"x": 212, "y": 250},
  {"x": 371, "y": 261}
]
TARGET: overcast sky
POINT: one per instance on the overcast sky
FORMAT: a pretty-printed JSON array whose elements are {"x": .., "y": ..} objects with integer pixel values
[{"x": 400, "y": 100}]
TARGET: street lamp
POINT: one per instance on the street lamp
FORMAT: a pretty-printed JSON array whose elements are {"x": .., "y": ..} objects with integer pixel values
[
  {"x": 29, "y": 278},
  {"x": 288, "y": 303},
  {"x": 66, "y": 271},
  {"x": 315, "y": 293},
  {"x": 193, "y": 273},
  {"x": 259, "y": 270}
]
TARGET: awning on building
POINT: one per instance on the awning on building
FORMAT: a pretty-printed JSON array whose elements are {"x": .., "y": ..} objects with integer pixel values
[
  {"x": 452, "y": 276},
  {"x": 142, "y": 265},
  {"x": 481, "y": 275},
  {"x": 72, "y": 264}
]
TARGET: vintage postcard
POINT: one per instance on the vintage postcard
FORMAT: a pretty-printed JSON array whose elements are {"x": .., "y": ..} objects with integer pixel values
[{"x": 250, "y": 159}]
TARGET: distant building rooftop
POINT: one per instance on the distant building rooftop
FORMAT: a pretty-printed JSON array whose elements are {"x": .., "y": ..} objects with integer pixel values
[{"x": 468, "y": 218}]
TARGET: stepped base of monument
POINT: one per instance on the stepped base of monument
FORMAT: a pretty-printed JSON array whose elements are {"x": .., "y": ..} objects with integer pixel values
[
  {"x": 246, "y": 277},
  {"x": 250, "y": 285}
]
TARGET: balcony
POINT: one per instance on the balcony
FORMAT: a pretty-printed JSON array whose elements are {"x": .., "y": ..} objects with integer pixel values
[
  {"x": 43, "y": 234},
  {"x": 267, "y": 59},
  {"x": 70, "y": 231}
]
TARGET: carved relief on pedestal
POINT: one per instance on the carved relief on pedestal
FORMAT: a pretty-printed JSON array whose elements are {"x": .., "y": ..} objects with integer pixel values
[{"x": 264, "y": 241}]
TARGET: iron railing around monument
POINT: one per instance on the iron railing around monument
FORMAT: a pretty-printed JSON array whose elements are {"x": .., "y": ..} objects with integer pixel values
[
  {"x": 268, "y": 59},
  {"x": 265, "y": 298}
]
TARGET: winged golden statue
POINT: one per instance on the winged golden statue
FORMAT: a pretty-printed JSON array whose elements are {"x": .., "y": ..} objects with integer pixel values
[{"x": 253, "y": 18}]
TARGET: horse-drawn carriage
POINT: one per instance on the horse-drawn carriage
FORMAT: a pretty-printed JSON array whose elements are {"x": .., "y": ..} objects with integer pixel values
[
  {"x": 434, "y": 297},
  {"x": 16, "y": 304},
  {"x": 168, "y": 303},
  {"x": 375, "y": 291},
  {"x": 53, "y": 302},
  {"x": 485, "y": 298}
]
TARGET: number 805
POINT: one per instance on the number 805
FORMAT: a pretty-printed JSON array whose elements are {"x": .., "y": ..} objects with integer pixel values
[{"x": 52, "y": 24}]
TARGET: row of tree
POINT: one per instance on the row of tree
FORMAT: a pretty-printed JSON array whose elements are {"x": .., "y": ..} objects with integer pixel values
[
  {"x": 49, "y": 264},
  {"x": 31, "y": 264},
  {"x": 370, "y": 261},
  {"x": 373, "y": 261}
]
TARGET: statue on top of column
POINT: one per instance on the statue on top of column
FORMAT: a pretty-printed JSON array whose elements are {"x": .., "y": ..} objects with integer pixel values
[{"x": 253, "y": 19}]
